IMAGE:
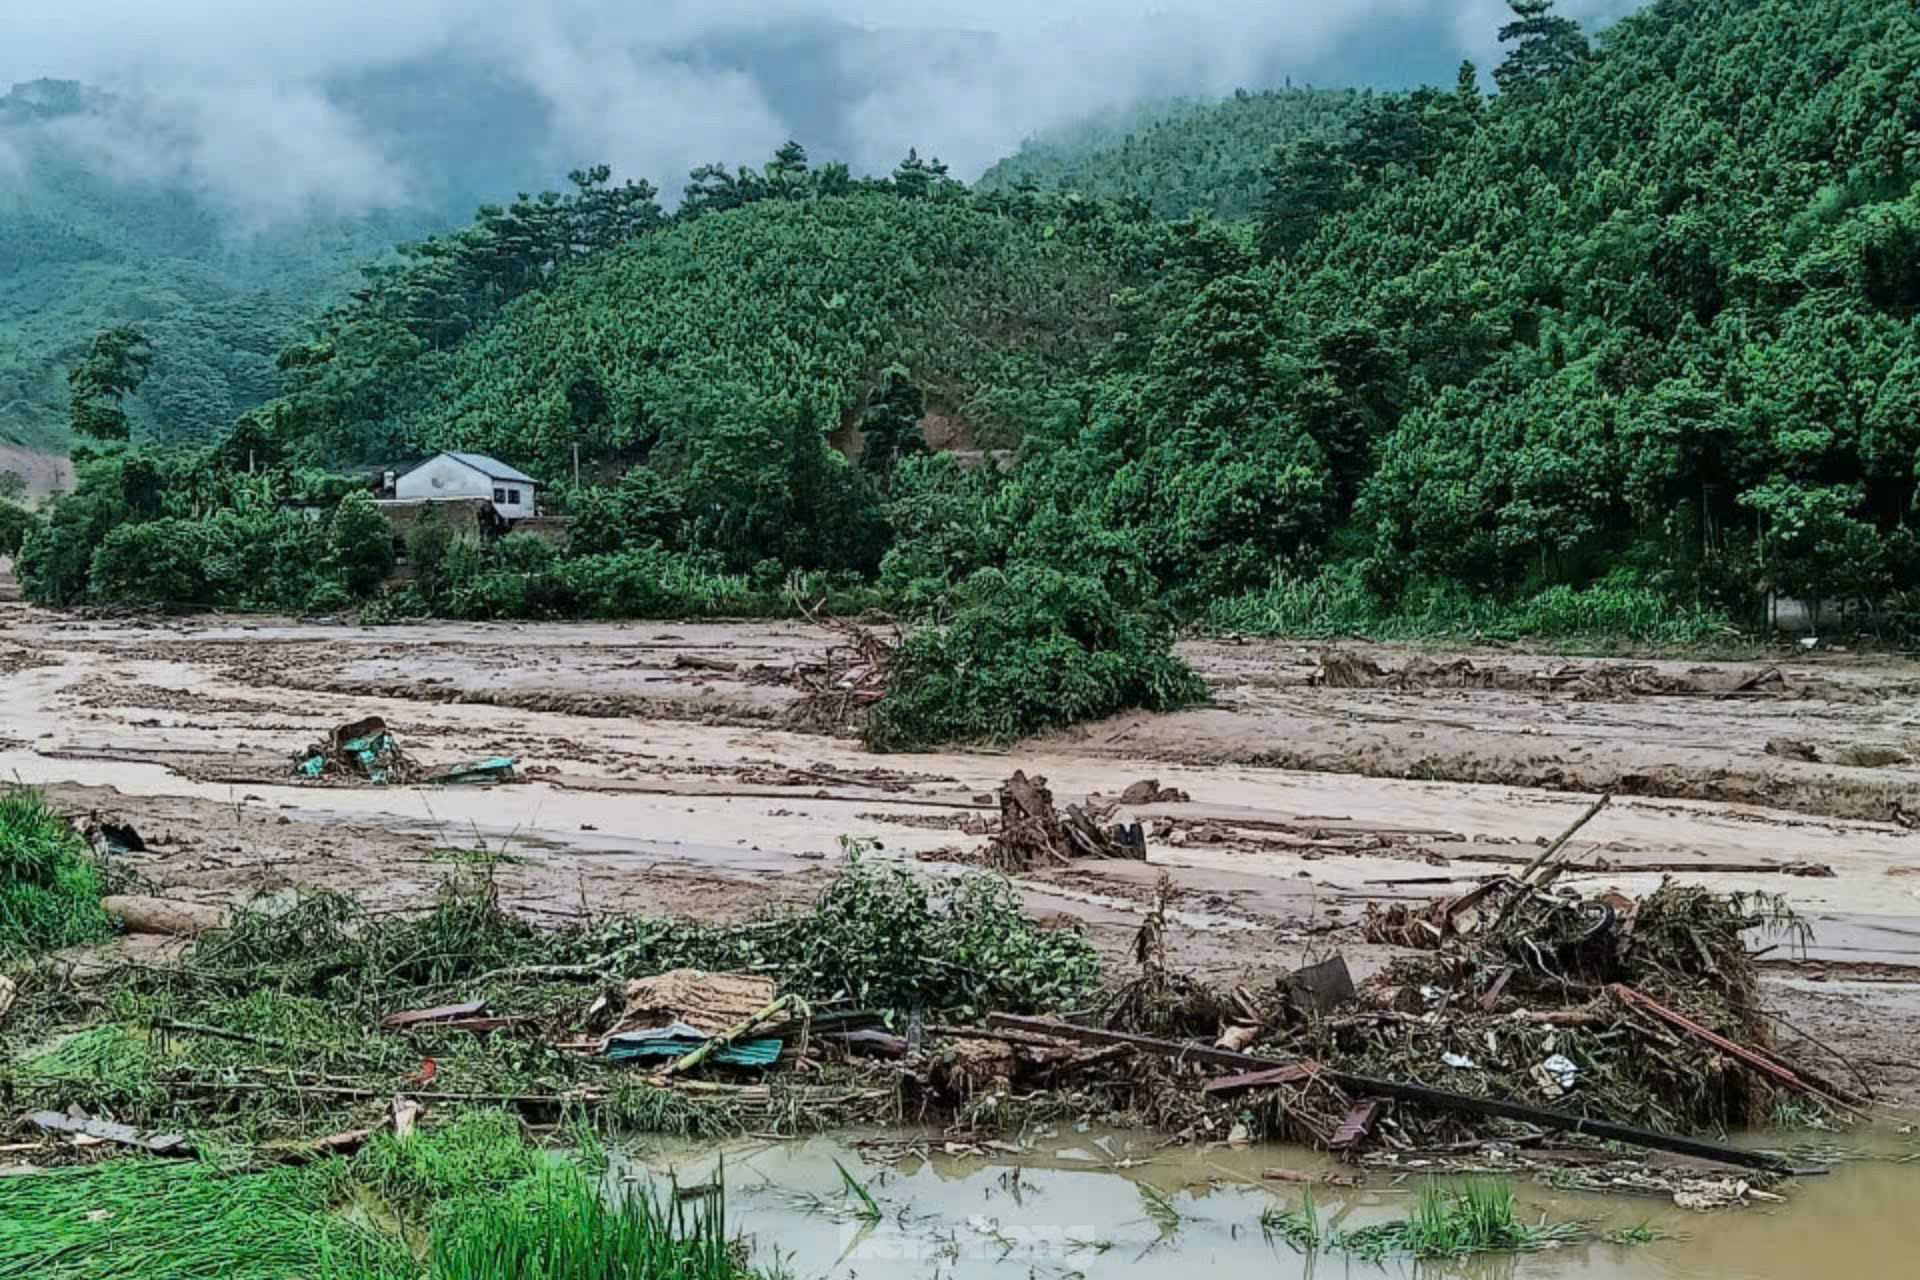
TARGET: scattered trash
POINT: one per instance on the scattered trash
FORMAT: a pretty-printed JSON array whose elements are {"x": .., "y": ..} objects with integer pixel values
[
  {"x": 473, "y": 772},
  {"x": 403, "y": 1114},
  {"x": 1557, "y": 1075},
  {"x": 1459, "y": 1061},
  {"x": 709, "y": 1003}
]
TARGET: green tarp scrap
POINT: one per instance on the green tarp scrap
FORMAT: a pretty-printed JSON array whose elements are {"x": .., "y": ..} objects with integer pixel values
[
  {"x": 677, "y": 1040},
  {"x": 363, "y": 748},
  {"x": 496, "y": 769},
  {"x": 367, "y": 749}
]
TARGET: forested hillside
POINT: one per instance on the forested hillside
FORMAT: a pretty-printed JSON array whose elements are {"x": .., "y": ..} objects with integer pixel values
[
  {"x": 1180, "y": 157},
  {"x": 83, "y": 248},
  {"x": 1617, "y": 351}
]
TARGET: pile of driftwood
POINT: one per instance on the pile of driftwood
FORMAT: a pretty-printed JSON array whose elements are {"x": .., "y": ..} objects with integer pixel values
[
  {"x": 1036, "y": 834},
  {"x": 849, "y": 678},
  {"x": 1340, "y": 669}
]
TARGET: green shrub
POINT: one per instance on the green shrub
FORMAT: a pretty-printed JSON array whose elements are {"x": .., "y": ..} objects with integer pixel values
[
  {"x": 360, "y": 544},
  {"x": 15, "y": 520},
  {"x": 157, "y": 564},
  {"x": 881, "y": 937},
  {"x": 1338, "y": 603},
  {"x": 50, "y": 887},
  {"x": 1027, "y": 650}
]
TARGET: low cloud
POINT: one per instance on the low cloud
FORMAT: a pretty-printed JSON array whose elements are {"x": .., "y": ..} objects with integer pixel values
[{"x": 234, "y": 98}]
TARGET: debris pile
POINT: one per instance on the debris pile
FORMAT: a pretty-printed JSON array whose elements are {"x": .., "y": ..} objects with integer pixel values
[
  {"x": 850, "y": 677},
  {"x": 1034, "y": 834},
  {"x": 1611, "y": 680},
  {"x": 367, "y": 749},
  {"x": 360, "y": 748}
]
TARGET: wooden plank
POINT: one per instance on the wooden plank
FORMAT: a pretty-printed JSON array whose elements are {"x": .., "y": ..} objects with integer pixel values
[
  {"x": 1298, "y": 1073},
  {"x": 1057, "y": 1030},
  {"x": 1754, "y": 1061},
  {"x": 1357, "y": 1124},
  {"x": 161, "y": 1144},
  {"x": 420, "y": 1017}
]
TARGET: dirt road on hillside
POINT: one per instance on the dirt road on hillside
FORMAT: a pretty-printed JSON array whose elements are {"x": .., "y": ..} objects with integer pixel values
[{"x": 660, "y": 774}]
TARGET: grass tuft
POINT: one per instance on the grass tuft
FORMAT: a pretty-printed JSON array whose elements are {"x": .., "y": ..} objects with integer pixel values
[
  {"x": 1446, "y": 1222},
  {"x": 50, "y": 883}
]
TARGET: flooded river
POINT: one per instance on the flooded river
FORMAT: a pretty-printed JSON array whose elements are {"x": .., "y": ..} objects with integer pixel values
[{"x": 1111, "y": 1204}]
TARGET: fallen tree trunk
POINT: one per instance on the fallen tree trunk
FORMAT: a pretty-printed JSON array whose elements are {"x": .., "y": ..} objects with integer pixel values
[{"x": 165, "y": 916}]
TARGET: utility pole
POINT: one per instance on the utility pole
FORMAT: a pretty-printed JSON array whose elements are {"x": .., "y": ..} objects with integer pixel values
[{"x": 576, "y": 464}]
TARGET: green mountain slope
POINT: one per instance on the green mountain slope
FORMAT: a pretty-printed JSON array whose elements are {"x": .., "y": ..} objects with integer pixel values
[
  {"x": 1180, "y": 157},
  {"x": 83, "y": 248},
  {"x": 1638, "y": 315},
  {"x": 1623, "y": 343}
]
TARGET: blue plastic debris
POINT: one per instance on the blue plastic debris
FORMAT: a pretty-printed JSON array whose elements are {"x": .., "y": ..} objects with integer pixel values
[
  {"x": 677, "y": 1040},
  {"x": 497, "y": 769}
]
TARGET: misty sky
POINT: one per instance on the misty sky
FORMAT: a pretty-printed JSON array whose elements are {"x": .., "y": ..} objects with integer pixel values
[{"x": 242, "y": 96}]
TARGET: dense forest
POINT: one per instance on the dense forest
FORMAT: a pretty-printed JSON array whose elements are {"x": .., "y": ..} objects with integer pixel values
[
  {"x": 1180, "y": 157},
  {"x": 83, "y": 246},
  {"x": 1618, "y": 339}
]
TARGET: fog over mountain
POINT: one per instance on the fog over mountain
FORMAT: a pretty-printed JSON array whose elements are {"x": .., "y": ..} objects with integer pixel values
[{"x": 268, "y": 110}]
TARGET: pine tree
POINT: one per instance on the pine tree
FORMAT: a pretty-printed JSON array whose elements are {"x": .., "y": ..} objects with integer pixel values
[{"x": 1544, "y": 45}]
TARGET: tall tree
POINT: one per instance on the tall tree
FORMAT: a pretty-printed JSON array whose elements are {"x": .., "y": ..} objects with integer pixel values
[
  {"x": 114, "y": 368},
  {"x": 1544, "y": 45},
  {"x": 1305, "y": 183}
]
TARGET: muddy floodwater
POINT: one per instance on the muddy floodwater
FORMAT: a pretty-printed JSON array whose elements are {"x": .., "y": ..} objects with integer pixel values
[{"x": 1115, "y": 1204}]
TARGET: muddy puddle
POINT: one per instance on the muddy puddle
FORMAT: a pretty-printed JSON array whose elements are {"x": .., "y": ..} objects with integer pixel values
[{"x": 1067, "y": 1203}]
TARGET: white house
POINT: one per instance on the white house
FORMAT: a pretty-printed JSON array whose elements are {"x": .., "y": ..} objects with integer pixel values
[{"x": 471, "y": 475}]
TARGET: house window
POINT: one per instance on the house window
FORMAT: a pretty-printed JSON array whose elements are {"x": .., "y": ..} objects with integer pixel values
[
  {"x": 499, "y": 495},
  {"x": 513, "y": 497}
]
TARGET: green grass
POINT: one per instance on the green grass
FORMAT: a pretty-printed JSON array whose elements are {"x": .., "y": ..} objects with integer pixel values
[
  {"x": 1300, "y": 1227},
  {"x": 1336, "y": 605},
  {"x": 1446, "y": 1222},
  {"x": 562, "y": 1228},
  {"x": 50, "y": 885},
  {"x": 869, "y": 1208},
  {"x": 492, "y": 1206},
  {"x": 158, "y": 1220}
]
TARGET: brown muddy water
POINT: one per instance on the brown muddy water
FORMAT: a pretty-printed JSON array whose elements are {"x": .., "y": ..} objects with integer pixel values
[{"x": 1065, "y": 1204}]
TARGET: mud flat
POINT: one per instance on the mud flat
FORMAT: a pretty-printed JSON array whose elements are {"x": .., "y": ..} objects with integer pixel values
[{"x": 660, "y": 772}]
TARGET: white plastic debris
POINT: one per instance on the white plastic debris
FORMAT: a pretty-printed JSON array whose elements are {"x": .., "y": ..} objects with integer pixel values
[{"x": 1458, "y": 1061}]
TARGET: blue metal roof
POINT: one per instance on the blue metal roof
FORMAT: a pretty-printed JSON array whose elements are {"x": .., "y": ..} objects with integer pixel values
[{"x": 492, "y": 468}]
